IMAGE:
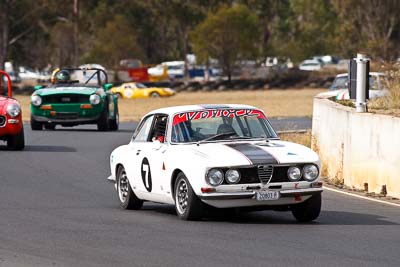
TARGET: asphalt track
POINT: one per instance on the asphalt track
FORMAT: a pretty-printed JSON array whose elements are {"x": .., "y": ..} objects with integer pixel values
[{"x": 57, "y": 209}]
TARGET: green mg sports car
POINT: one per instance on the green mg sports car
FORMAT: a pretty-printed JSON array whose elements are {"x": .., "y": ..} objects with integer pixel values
[{"x": 75, "y": 96}]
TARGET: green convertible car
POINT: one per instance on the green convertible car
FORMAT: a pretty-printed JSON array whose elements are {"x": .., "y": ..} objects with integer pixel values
[{"x": 76, "y": 96}]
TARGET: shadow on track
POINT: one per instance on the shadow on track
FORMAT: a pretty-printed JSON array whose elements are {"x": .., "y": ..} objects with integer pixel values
[
  {"x": 91, "y": 130},
  {"x": 272, "y": 217},
  {"x": 42, "y": 148}
]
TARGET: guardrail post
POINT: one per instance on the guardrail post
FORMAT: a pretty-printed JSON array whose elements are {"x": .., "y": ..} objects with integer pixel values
[{"x": 361, "y": 104}]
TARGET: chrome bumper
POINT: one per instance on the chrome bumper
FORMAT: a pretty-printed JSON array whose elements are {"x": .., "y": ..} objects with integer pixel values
[{"x": 249, "y": 195}]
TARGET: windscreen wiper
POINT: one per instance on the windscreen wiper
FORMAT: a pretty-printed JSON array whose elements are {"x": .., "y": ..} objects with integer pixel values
[{"x": 216, "y": 137}]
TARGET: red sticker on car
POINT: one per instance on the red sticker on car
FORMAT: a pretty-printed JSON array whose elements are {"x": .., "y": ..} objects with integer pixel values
[{"x": 216, "y": 113}]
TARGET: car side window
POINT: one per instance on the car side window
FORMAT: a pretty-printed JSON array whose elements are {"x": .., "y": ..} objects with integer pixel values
[
  {"x": 142, "y": 133},
  {"x": 158, "y": 132},
  {"x": 128, "y": 87}
]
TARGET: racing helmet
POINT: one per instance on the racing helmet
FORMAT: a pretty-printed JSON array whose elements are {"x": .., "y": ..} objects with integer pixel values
[{"x": 63, "y": 76}]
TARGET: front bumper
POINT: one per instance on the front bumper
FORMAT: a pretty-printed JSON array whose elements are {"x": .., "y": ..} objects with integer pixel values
[
  {"x": 67, "y": 121},
  {"x": 251, "y": 195},
  {"x": 248, "y": 198}
]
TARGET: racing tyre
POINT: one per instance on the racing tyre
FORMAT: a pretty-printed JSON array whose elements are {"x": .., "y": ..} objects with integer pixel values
[
  {"x": 16, "y": 142},
  {"x": 309, "y": 210},
  {"x": 35, "y": 125},
  {"x": 51, "y": 127},
  {"x": 154, "y": 95},
  {"x": 187, "y": 205},
  {"x": 103, "y": 124},
  {"x": 127, "y": 198},
  {"x": 114, "y": 123}
]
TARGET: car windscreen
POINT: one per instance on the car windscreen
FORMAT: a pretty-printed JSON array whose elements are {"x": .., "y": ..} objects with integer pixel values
[
  {"x": 220, "y": 124},
  {"x": 339, "y": 83}
]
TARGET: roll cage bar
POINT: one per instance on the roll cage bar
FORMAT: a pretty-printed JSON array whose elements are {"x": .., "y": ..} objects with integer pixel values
[
  {"x": 96, "y": 73},
  {"x": 3, "y": 73}
]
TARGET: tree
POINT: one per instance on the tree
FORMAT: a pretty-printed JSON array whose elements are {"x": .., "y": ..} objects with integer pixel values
[
  {"x": 229, "y": 35},
  {"x": 118, "y": 40},
  {"x": 368, "y": 25}
]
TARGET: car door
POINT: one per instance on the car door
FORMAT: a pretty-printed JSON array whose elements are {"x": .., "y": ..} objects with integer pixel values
[
  {"x": 137, "y": 92},
  {"x": 128, "y": 91},
  {"x": 133, "y": 161},
  {"x": 151, "y": 158}
]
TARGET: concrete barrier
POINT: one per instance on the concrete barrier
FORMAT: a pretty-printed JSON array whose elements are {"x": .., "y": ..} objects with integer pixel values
[{"x": 357, "y": 148}]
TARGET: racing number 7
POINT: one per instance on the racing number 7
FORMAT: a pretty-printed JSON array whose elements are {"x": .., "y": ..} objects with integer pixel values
[{"x": 146, "y": 174}]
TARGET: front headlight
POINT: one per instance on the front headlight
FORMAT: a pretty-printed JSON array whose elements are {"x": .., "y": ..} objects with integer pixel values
[
  {"x": 294, "y": 174},
  {"x": 215, "y": 177},
  {"x": 36, "y": 100},
  {"x": 94, "y": 99},
  {"x": 232, "y": 176},
  {"x": 13, "y": 110},
  {"x": 310, "y": 172}
]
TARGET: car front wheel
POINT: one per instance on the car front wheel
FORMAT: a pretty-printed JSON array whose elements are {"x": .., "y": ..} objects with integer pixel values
[
  {"x": 127, "y": 198},
  {"x": 35, "y": 125},
  {"x": 309, "y": 210},
  {"x": 103, "y": 124},
  {"x": 16, "y": 142},
  {"x": 187, "y": 205}
]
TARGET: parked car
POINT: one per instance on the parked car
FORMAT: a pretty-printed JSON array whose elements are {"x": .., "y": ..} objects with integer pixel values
[
  {"x": 311, "y": 65},
  {"x": 77, "y": 96},
  {"x": 11, "y": 127},
  {"x": 378, "y": 85},
  {"x": 139, "y": 90},
  {"x": 224, "y": 156},
  {"x": 175, "y": 69}
]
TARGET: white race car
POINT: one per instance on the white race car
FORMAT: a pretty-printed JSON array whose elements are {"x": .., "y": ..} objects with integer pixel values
[{"x": 224, "y": 156}]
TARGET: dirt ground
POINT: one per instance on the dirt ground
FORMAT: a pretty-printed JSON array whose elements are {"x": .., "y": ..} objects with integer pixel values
[{"x": 276, "y": 103}]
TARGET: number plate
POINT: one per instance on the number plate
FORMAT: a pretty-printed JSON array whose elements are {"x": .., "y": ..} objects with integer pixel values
[
  {"x": 267, "y": 195},
  {"x": 66, "y": 99}
]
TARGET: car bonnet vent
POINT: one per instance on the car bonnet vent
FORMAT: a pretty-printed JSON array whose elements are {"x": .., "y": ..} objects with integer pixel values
[{"x": 265, "y": 173}]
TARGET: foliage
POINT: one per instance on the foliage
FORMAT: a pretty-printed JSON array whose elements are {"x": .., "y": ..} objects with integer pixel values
[
  {"x": 229, "y": 35},
  {"x": 117, "y": 40},
  {"x": 42, "y": 32}
]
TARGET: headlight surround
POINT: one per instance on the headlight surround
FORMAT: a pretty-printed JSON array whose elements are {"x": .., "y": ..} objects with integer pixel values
[
  {"x": 13, "y": 110},
  {"x": 232, "y": 176},
  {"x": 215, "y": 177},
  {"x": 36, "y": 100},
  {"x": 310, "y": 172},
  {"x": 294, "y": 174},
  {"x": 94, "y": 99}
]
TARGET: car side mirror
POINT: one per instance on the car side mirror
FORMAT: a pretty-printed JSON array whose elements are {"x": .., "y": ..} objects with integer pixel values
[
  {"x": 38, "y": 87},
  {"x": 107, "y": 86}
]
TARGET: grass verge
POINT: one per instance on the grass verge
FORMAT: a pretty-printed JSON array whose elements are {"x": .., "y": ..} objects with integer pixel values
[{"x": 276, "y": 103}]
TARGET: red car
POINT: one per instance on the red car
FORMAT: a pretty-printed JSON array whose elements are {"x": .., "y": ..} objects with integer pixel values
[{"x": 11, "y": 127}]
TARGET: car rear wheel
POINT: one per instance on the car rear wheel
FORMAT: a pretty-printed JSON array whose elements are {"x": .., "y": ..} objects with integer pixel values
[
  {"x": 127, "y": 198},
  {"x": 16, "y": 142},
  {"x": 114, "y": 123},
  {"x": 35, "y": 125},
  {"x": 309, "y": 210},
  {"x": 187, "y": 205}
]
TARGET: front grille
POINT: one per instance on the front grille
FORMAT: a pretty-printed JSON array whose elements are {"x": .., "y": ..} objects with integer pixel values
[
  {"x": 2, "y": 121},
  {"x": 66, "y": 115},
  {"x": 265, "y": 173},
  {"x": 280, "y": 174},
  {"x": 65, "y": 99}
]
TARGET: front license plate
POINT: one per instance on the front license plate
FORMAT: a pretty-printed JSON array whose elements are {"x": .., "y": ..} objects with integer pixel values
[
  {"x": 267, "y": 195},
  {"x": 66, "y": 99}
]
